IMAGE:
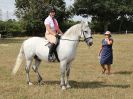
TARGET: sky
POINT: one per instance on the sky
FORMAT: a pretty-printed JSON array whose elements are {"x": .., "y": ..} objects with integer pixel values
[{"x": 7, "y": 8}]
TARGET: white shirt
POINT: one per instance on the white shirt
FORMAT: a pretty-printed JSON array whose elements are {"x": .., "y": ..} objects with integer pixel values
[{"x": 49, "y": 21}]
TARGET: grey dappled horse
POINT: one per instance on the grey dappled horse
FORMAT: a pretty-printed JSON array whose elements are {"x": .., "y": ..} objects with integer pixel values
[{"x": 66, "y": 50}]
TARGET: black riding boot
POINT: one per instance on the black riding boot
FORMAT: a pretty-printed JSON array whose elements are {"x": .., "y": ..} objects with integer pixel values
[{"x": 51, "y": 50}]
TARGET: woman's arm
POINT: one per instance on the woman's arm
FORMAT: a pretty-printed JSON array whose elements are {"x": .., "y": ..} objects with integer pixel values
[
  {"x": 100, "y": 51},
  {"x": 109, "y": 41},
  {"x": 49, "y": 30}
]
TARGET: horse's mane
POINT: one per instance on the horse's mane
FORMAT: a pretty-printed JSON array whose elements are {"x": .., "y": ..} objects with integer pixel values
[{"x": 72, "y": 30}]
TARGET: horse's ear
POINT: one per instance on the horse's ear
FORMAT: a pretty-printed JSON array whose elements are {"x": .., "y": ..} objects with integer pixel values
[
  {"x": 82, "y": 22},
  {"x": 86, "y": 23}
]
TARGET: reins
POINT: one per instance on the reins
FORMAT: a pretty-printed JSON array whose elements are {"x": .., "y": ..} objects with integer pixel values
[{"x": 72, "y": 40}]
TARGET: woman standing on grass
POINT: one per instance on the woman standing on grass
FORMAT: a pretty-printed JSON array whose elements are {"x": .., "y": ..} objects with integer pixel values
[{"x": 106, "y": 52}]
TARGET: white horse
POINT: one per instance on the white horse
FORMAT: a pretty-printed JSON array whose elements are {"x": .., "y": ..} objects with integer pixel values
[{"x": 35, "y": 48}]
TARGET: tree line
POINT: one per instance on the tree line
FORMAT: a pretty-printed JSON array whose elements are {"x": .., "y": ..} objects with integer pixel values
[{"x": 113, "y": 15}]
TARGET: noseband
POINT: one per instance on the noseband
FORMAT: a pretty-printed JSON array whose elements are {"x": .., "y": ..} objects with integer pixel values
[{"x": 85, "y": 39}]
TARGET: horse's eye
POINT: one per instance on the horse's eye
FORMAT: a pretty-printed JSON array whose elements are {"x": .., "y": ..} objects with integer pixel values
[{"x": 85, "y": 31}]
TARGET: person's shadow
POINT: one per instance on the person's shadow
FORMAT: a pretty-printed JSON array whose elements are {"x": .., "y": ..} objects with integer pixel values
[{"x": 123, "y": 72}]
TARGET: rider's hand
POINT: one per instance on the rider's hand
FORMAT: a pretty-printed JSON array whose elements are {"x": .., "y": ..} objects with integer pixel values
[
  {"x": 57, "y": 36},
  {"x": 60, "y": 34}
]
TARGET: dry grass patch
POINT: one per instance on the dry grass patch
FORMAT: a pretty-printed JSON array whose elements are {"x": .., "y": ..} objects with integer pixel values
[{"x": 85, "y": 78}]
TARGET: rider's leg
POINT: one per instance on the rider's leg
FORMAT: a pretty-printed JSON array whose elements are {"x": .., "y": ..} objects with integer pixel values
[
  {"x": 51, "y": 50},
  {"x": 52, "y": 39}
]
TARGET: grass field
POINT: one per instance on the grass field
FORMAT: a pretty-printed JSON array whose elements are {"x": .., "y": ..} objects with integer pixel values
[{"x": 86, "y": 79}]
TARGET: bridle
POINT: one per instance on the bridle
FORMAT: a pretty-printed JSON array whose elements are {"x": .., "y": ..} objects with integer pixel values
[{"x": 85, "y": 39}]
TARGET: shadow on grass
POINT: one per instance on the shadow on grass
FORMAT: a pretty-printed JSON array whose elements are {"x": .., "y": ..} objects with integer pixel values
[
  {"x": 52, "y": 82},
  {"x": 92, "y": 85},
  {"x": 47, "y": 83},
  {"x": 96, "y": 84},
  {"x": 124, "y": 72}
]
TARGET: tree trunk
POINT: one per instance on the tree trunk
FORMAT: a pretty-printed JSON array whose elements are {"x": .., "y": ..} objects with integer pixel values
[
  {"x": 121, "y": 21},
  {"x": 106, "y": 24}
]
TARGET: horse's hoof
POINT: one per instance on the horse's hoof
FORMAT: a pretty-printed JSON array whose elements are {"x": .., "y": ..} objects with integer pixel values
[
  {"x": 41, "y": 83},
  {"x": 63, "y": 88},
  {"x": 68, "y": 86},
  {"x": 30, "y": 83}
]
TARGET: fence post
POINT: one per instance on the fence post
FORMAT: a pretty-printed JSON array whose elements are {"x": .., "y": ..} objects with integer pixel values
[{"x": 126, "y": 31}]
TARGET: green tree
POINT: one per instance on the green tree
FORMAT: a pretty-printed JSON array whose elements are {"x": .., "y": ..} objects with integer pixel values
[
  {"x": 104, "y": 12},
  {"x": 11, "y": 27},
  {"x": 33, "y": 13},
  {"x": 2, "y": 26}
]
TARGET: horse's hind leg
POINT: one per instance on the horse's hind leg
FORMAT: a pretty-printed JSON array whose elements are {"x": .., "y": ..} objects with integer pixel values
[
  {"x": 35, "y": 68},
  {"x": 27, "y": 69}
]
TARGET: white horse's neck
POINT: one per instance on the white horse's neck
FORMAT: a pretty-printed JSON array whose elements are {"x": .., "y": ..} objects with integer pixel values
[{"x": 73, "y": 32}]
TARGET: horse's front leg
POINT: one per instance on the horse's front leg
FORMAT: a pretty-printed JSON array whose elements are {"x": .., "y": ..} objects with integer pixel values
[
  {"x": 63, "y": 69},
  {"x": 67, "y": 78}
]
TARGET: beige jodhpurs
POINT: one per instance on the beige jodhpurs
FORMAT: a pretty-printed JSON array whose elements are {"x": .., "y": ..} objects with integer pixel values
[{"x": 51, "y": 38}]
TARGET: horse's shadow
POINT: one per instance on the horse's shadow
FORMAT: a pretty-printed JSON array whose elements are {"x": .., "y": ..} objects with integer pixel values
[
  {"x": 91, "y": 84},
  {"x": 96, "y": 84}
]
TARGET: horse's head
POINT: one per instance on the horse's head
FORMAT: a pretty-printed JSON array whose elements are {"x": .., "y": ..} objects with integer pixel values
[{"x": 86, "y": 33}]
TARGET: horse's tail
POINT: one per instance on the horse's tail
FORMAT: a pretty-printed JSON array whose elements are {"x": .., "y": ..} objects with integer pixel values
[{"x": 18, "y": 61}]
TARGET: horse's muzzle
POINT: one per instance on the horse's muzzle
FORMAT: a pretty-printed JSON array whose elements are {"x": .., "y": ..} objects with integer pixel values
[{"x": 89, "y": 42}]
